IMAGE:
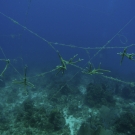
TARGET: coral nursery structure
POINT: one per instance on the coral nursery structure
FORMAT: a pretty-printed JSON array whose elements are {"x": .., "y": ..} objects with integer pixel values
[{"x": 84, "y": 84}]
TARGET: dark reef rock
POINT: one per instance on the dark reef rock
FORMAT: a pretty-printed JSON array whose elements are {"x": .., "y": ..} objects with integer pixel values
[
  {"x": 37, "y": 117},
  {"x": 128, "y": 92},
  {"x": 126, "y": 124},
  {"x": 98, "y": 95}
]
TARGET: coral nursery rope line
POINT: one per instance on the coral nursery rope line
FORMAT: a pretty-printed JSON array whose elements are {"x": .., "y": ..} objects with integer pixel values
[
  {"x": 3, "y": 52},
  {"x": 93, "y": 48},
  {"x": 70, "y": 45},
  {"x": 108, "y": 42},
  {"x": 49, "y": 43}
]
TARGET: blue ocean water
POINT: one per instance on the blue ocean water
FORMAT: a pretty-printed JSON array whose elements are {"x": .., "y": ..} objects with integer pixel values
[
  {"x": 40, "y": 34},
  {"x": 85, "y": 24}
]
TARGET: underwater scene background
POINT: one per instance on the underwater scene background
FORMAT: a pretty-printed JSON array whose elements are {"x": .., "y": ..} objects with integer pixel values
[{"x": 67, "y": 67}]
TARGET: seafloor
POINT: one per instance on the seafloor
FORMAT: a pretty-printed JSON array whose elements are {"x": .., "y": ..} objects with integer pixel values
[{"x": 59, "y": 105}]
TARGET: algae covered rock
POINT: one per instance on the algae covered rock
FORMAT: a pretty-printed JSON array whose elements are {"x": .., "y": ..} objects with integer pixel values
[
  {"x": 126, "y": 124},
  {"x": 98, "y": 95}
]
